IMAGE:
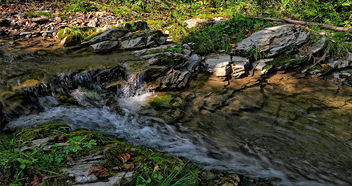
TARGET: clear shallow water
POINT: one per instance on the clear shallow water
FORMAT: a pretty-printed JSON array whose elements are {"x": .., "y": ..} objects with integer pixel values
[
  {"x": 298, "y": 131},
  {"x": 255, "y": 143}
]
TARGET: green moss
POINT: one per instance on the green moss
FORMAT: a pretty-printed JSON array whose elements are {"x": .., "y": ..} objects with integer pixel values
[
  {"x": 44, "y": 130},
  {"x": 36, "y": 14},
  {"x": 161, "y": 102},
  {"x": 75, "y": 35}
]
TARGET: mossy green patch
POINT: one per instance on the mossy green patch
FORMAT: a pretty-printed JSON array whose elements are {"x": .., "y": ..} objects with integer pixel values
[
  {"x": 75, "y": 35},
  {"x": 37, "y": 14},
  {"x": 20, "y": 167}
]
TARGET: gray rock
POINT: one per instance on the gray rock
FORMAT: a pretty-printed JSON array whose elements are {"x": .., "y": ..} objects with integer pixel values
[
  {"x": 115, "y": 180},
  {"x": 176, "y": 79},
  {"x": 93, "y": 22},
  {"x": 143, "y": 39},
  {"x": 239, "y": 66},
  {"x": 319, "y": 45},
  {"x": 218, "y": 64},
  {"x": 191, "y": 23},
  {"x": 274, "y": 40},
  {"x": 193, "y": 62},
  {"x": 261, "y": 65},
  {"x": 159, "y": 48},
  {"x": 109, "y": 35},
  {"x": 339, "y": 64},
  {"x": 104, "y": 46},
  {"x": 79, "y": 170}
]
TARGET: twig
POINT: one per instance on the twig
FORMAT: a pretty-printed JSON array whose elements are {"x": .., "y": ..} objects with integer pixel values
[{"x": 298, "y": 22}]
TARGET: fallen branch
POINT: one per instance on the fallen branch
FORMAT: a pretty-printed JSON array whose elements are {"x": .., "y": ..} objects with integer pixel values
[{"x": 298, "y": 22}]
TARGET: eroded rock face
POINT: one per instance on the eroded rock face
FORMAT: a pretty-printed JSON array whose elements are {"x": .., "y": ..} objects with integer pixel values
[
  {"x": 274, "y": 40},
  {"x": 219, "y": 64},
  {"x": 239, "y": 66},
  {"x": 143, "y": 39},
  {"x": 223, "y": 65}
]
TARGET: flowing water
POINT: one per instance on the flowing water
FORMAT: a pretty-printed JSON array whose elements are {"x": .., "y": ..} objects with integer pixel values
[{"x": 292, "y": 131}]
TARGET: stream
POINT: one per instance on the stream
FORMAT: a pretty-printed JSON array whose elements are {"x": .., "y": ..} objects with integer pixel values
[{"x": 292, "y": 131}]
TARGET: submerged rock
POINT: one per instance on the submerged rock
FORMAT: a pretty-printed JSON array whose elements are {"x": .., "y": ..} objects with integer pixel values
[{"x": 274, "y": 40}]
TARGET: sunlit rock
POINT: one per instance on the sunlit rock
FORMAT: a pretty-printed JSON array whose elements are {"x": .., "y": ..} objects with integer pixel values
[{"x": 273, "y": 41}]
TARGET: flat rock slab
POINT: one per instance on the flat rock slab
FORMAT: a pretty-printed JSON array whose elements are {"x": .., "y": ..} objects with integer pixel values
[
  {"x": 109, "y": 35},
  {"x": 219, "y": 64},
  {"x": 79, "y": 170},
  {"x": 115, "y": 180},
  {"x": 273, "y": 40}
]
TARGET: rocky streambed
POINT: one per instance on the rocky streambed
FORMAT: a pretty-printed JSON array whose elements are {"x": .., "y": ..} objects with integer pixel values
[{"x": 267, "y": 110}]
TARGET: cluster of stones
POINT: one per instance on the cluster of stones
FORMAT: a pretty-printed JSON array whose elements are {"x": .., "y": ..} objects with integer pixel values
[
  {"x": 284, "y": 47},
  {"x": 14, "y": 23}
]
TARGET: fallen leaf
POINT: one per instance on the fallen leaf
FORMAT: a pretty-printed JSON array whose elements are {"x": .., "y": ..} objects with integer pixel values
[
  {"x": 156, "y": 168},
  {"x": 128, "y": 166},
  {"x": 36, "y": 180},
  {"x": 124, "y": 157},
  {"x": 100, "y": 172},
  {"x": 324, "y": 65},
  {"x": 233, "y": 45}
]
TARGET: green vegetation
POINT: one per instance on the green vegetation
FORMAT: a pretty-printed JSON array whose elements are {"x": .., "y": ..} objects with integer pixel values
[
  {"x": 161, "y": 102},
  {"x": 36, "y": 14},
  {"x": 22, "y": 161},
  {"x": 221, "y": 36},
  {"x": 75, "y": 35}
]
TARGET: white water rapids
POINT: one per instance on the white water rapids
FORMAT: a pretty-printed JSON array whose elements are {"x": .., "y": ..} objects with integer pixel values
[{"x": 154, "y": 133}]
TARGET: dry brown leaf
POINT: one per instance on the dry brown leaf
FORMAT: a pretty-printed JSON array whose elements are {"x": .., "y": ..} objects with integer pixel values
[
  {"x": 156, "y": 168},
  {"x": 36, "y": 180},
  {"x": 124, "y": 157},
  {"x": 128, "y": 166},
  {"x": 100, "y": 172}
]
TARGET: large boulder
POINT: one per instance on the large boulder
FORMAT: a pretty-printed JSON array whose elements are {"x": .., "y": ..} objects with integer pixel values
[
  {"x": 273, "y": 40},
  {"x": 110, "y": 35}
]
